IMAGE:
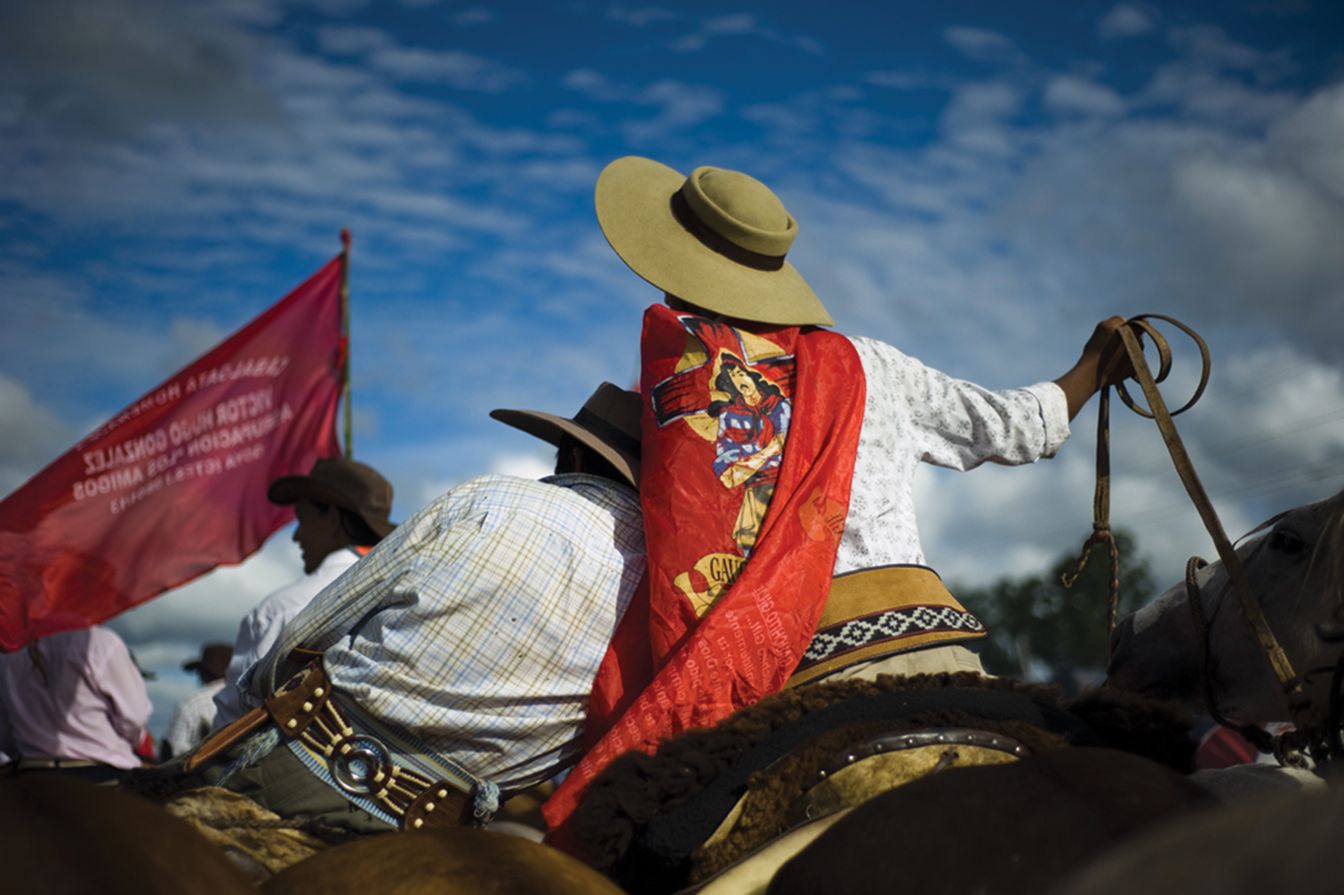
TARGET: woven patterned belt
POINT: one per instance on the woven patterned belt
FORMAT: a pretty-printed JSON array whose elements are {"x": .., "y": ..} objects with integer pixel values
[{"x": 877, "y": 612}]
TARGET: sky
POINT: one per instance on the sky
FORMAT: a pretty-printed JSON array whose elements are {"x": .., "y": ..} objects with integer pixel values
[{"x": 977, "y": 183}]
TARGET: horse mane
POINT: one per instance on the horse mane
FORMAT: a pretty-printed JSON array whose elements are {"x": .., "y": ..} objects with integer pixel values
[{"x": 1329, "y": 550}]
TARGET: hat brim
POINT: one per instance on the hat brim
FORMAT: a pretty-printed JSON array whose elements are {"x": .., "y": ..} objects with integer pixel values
[
  {"x": 289, "y": 489},
  {"x": 552, "y": 429},
  {"x": 214, "y": 671},
  {"x": 634, "y": 209}
]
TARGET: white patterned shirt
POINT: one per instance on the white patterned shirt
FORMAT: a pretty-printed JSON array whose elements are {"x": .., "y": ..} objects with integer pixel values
[
  {"x": 914, "y": 414},
  {"x": 479, "y": 624}
]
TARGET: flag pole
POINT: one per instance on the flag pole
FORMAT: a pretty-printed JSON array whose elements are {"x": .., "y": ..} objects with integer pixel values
[{"x": 345, "y": 338}]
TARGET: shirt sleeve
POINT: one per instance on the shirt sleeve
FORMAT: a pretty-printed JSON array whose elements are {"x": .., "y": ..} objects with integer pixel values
[
  {"x": 959, "y": 424},
  {"x": 179, "y": 735},
  {"x": 120, "y": 682},
  {"x": 365, "y": 588}
]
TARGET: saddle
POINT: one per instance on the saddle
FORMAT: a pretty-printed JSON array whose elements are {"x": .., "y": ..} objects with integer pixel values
[{"x": 708, "y": 798}]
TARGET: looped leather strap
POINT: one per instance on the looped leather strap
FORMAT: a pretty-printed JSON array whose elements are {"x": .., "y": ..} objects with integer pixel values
[{"x": 1158, "y": 412}]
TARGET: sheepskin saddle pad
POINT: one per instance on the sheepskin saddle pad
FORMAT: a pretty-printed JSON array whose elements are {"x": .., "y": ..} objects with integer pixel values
[{"x": 707, "y": 798}]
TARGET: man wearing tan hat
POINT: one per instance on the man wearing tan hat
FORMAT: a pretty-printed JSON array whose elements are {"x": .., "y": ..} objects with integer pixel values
[
  {"x": 457, "y": 658},
  {"x": 779, "y": 456},
  {"x": 342, "y": 508}
]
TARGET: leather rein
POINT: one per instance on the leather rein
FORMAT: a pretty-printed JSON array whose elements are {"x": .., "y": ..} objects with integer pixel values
[{"x": 1157, "y": 410}]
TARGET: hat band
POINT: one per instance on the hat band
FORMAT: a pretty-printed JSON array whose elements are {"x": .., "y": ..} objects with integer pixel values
[
  {"x": 607, "y": 432},
  {"x": 682, "y": 211}
]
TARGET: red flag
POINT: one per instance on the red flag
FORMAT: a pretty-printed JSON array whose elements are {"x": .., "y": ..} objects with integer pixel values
[{"x": 175, "y": 484}]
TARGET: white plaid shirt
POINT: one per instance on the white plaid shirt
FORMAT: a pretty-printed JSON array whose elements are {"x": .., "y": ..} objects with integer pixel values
[{"x": 478, "y": 625}]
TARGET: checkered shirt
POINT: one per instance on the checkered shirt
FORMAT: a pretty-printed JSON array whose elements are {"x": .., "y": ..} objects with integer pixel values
[{"x": 478, "y": 625}]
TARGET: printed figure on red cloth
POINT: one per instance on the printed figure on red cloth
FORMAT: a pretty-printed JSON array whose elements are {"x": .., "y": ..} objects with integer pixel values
[{"x": 749, "y": 447}]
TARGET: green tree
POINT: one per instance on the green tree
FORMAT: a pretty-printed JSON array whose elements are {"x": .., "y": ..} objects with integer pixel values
[{"x": 1037, "y": 620}]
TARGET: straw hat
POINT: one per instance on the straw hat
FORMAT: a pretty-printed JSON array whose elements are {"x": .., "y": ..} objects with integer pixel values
[
  {"x": 716, "y": 239},
  {"x": 608, "y": 423},
  {"x": 343, "y": 483}
]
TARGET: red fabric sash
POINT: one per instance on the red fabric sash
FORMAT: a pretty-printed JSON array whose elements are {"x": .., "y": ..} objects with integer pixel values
[{"x": 721, "y": 406}]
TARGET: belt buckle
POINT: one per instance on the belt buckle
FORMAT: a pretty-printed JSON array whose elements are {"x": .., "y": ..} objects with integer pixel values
[{"x": 359, "y": 764}]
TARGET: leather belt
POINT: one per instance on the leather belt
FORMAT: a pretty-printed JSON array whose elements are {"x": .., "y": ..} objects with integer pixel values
[
  {"x": 360, "y": 763},
  {"x": 34, "y": 764}
]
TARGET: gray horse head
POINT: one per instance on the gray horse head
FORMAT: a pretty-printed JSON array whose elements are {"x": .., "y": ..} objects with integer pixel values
[{"x": 1297, "y": 572}]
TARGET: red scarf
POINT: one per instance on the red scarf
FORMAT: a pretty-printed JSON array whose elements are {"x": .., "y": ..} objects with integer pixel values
[{"x": 722, "y": 632}]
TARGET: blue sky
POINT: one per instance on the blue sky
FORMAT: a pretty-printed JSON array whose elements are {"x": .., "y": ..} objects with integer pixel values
[{"x": 977, "y": 183}]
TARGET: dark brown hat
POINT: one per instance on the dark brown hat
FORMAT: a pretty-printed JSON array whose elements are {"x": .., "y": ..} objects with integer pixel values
[
  {"x": 214, "y": 661},
  {"x": 343, "y": 483},
  {"x": 608, "y": 423}
]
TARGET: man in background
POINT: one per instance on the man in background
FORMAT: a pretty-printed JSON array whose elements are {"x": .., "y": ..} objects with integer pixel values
[
  {"x": 457, "y": 660},
  {"x": 73, "y": 703},
  {"x": 194, "y": 716},
  {"x": 342, "y": 508}
]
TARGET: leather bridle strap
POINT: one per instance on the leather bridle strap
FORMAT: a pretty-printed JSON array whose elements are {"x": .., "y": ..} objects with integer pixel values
[
  {"x": 1256, "y": 736},
  {"x": 1158, "y": 412}
]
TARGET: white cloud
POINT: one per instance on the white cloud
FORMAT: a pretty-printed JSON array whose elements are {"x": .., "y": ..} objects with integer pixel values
[
  {"x": 352, "y": 40},
  {"x": 527, "y": 466},
  {"x": 640, "y": 16},
  {"x": 474, "y": 15},
  {"x": 983, "y": 45},
  {"x": 34, "y": 436},
  {"x": 1307, "y": 141},
  {"x": 464, "y": 71},
  {"x": 741, "y": 25},
  {"x": 1071, "y": 94},
  {"x": 111, "y": 70},
  {"x": 679, "y": 105},
  {"x": 977, "y": 118},
  {"x": 1210, "y": 47},
  {"x": 455, "y": 68},
  {"x": 898, "y": 80},
  {"x": 333, "y": 7},
  {"x": 1125, "y": 20}
]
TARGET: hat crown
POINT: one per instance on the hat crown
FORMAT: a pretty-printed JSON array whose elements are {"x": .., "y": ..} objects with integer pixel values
[
  {"x": 341, "y": 482},
  {"x": 745, "y": 198},
  {"x": 741, "y": 209},
  {"x": 608, "y": 423},
  {"x": 359, "y": 483}
]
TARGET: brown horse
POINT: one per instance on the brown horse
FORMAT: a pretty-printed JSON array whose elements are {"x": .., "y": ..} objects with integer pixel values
[
  {"x": 1013, "y": 828},
  {"x": 1296, "y": 571},
  {"x": 59, "y": 834},
  {"x": 443, "y": 862},
  {"x": 1286, "y": 843}
]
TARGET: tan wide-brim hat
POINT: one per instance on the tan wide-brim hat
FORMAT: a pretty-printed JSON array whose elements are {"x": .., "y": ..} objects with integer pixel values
[
  {"x": 716, "y": 239},
  {"x": 608, "y": 423},
  {"x": 344, "y": 483}
]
